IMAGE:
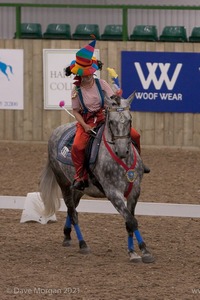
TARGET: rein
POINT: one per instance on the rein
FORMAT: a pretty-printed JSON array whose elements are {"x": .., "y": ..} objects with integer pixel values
[{"x": 129, "y": 171}]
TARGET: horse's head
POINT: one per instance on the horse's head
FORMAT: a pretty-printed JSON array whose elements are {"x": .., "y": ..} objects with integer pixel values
[{"x": 118, "y": 122}]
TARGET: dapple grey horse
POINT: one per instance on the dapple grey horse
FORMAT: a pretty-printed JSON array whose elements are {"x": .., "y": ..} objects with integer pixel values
[{"x": 118, "y": 170}]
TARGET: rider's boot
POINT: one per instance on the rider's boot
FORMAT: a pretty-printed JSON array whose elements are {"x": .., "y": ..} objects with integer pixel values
[
  {"x": 81, "y": 183},
  {"x": 78, "y": 185},
  {"x": 146, "y": 169}
]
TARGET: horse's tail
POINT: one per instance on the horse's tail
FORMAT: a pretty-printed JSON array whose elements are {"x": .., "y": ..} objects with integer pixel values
[
  {"x": 11, "y": 69},
  {"x": 49, "y": 191}
]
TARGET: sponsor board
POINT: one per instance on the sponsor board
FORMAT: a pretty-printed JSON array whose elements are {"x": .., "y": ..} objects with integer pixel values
[
  {"x": 164, "y": 81},
  {"x": 58, "y": 87},
  {"x": 12, "y": 79}
]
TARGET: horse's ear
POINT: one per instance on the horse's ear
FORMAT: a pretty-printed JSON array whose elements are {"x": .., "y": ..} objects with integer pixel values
[
  {"x": 109, "y": 101},
  {"x": 131, "y": 97}
]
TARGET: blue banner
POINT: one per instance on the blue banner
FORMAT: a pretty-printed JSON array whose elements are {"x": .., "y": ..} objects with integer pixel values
[{"x": 164, "y": 81}]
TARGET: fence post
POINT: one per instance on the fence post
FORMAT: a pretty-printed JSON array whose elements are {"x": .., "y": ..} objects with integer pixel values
[
  {"x": 18, "y": 21},
  {"x": 125, "y": 23}
]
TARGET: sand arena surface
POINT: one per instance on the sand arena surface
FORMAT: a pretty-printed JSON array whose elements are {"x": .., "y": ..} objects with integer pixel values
[{"x": 34, "y": 265}]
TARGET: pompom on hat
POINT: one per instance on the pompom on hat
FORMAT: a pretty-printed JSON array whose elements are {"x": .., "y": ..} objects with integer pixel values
[{"x": 85, "y": 64}]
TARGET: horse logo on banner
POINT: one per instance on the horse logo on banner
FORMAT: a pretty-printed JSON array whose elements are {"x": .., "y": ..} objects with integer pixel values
[{"x": 3, "y": 69}]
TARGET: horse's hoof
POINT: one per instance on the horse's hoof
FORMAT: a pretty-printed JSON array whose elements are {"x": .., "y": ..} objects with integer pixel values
[
  {"x": 134, "y": 257},
  {"x": 147, "y": 257},
  {"x": 84, "y": 249},
  {"x": 66, "y": 242}
]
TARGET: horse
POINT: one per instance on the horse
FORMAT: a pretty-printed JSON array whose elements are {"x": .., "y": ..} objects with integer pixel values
[
  {"x": 116, "y": 174},
  {"x": 3, "y": 68}
]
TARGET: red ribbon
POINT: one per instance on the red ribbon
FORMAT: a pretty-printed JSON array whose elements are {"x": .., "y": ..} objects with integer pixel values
[{"x": 121, "y": 163}]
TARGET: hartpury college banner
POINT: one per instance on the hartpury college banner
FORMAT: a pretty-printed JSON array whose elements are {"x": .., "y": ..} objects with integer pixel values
[
  {"x": 164, "y": 81},
  {"x": 57, "y": 87},
  {"x": 11, "y": 79}
]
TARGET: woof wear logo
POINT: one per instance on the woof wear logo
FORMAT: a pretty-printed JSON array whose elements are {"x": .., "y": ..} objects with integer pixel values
[{"x": 158, "y": 80}]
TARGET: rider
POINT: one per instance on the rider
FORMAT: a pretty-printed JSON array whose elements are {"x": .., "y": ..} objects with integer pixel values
[{"x": 87, "y": 105}]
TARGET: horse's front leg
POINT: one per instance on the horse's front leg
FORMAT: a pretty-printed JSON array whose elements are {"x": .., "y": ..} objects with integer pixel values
[
  {"x": 147, "y": 257},
  {"x": 117, "y": 199}
]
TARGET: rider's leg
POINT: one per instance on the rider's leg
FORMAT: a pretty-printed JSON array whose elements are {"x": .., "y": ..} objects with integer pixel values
[
  {"x": 135, "y": 136},
  {"x": 78, "y": 149},
  {"x": 78, "y": 156}
]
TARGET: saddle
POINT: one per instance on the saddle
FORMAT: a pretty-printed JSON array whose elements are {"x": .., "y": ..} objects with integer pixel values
[{"x": 66, "y": 141}]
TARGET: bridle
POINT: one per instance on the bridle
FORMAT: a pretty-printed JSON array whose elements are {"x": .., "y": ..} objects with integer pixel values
[{"x": 120, "y": 110}]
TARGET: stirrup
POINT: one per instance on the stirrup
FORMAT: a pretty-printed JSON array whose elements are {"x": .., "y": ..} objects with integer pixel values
[{"x": 146, "y": 169}]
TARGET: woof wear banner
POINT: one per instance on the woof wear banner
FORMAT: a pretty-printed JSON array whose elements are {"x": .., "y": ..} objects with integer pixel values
[{"x": 164, "y": 81}]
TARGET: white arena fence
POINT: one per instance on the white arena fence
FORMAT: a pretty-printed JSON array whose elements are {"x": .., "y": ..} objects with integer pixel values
[{"x": 32, "y": 207}]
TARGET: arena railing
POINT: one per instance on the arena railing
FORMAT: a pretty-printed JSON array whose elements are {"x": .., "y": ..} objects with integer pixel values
[{"x": 124, "y": 10}]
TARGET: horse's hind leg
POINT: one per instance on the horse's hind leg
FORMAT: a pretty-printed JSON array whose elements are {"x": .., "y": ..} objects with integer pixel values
[
  {"x": 67, "y": 232},
  {"x": 76, "y": 196},
  {"x": 72, "y": 198},
  {"x": 66, "y": 193},
  {"x": 73, "y": 215}
]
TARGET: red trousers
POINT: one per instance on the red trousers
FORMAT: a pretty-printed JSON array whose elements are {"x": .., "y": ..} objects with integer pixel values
[
  {"x": 81, "y": 140},
  {"x": 136, "y": 137}
]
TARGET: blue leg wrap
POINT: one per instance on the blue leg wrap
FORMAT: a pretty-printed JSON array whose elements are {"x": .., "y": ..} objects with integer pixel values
[
  {"x": 138, "y": 236},
  {"x": 130, "y": 243},
  {"x": 78, "y": 232},
  {"x": 68, "y": 222}
]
